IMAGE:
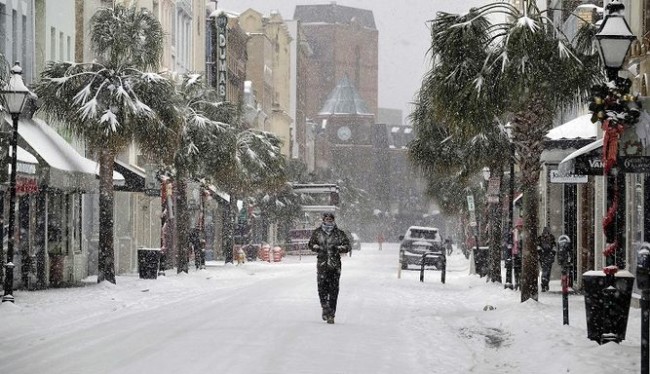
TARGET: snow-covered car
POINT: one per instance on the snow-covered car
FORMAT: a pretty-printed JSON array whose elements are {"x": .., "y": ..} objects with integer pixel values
[
  {"x": 419, "y": 240},
  {"x": 355, "y": 241}
]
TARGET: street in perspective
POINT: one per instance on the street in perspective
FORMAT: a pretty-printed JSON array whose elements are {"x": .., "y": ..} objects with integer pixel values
[
  {"x": 309, "y": 186},
  {"x": 264, "y": 317}
]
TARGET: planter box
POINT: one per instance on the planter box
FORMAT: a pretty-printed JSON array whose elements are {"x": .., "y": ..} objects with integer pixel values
[{"x": 607, "y": 304}]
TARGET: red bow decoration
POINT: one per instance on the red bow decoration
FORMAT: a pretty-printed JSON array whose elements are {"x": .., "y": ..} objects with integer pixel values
[{"x": 610, "y": 144}]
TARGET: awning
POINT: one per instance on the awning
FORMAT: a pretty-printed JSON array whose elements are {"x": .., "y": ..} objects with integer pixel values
[
  {"x": 580, "y": 127},
  {"x": 26, "y": 157},
  {"x": 68, "y": 170},
  {"x": 222, "y": 195},
  {"x": 585, "y": 161},
  {"x": 134, "y": 177}
]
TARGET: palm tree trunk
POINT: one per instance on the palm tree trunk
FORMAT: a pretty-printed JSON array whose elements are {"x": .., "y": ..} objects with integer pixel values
[
  {"x": 530, "y": 258},
  {"x": 229, "y": 229},
  {"x": 106, "y": 255},
  {"x": 530, "y": 127},
  {"x": 182, "y": 225}
]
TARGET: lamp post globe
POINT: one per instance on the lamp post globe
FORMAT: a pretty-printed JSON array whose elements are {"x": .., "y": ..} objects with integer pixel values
[
  {"x": 14, "y": 95},
  {"x": 614, "y": 38}
]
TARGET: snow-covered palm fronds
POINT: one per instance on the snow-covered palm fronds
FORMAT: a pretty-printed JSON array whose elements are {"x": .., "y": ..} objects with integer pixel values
[
  {"x": 126, "y": 35},
  {"x": 81, "y": 96}
]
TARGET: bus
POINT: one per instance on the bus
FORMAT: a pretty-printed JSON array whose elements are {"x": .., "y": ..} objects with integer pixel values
[{"x": 319, "y": 198}]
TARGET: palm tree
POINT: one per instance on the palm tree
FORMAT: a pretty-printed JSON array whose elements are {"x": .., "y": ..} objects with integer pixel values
[
  {"x": 201, "y": 140},
  {"x": 252, "y": 163},
  {"x": 112, "y": 101},
  {"x": 521, "y": 69},
  {"x": 458, "y": 160}
]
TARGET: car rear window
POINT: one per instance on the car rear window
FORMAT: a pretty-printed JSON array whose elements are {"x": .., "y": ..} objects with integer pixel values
[{"x": 423, "y": 234}]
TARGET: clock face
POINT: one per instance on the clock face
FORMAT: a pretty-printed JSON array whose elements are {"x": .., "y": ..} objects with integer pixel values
[{"x": 344, "y": 133}]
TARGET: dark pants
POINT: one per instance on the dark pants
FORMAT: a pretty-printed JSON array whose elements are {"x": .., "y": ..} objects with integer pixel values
[
  {"x": 546, "y": 265},
  {"x": 199, "y": 258},
  {"x": 328, "y": 289}
]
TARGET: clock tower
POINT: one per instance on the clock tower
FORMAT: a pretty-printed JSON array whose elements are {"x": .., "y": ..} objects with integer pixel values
[{"x": 345, "y": 125}]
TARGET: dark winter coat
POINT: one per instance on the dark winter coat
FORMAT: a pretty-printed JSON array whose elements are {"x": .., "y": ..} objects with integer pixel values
[
  {"x": 328, "y": 247},
  {"x": 546, "y": 247}
]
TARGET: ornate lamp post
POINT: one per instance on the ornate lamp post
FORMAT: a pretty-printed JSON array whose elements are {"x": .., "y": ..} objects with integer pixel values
[
  {"x": 608, "y": 292},
  {"x": 14, "y": 96}
]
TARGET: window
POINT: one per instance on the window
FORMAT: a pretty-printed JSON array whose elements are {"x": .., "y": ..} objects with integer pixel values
[{"x": 69, "y": 49}]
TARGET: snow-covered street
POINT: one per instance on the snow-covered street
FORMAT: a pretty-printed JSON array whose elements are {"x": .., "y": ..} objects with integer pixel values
[{"x": 265, "y": 318}]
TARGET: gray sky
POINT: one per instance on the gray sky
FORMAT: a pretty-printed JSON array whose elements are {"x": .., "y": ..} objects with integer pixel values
[{"x": 403, "y": 37}]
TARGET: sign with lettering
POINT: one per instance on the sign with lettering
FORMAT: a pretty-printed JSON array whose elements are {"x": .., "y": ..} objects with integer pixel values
[
  {"x": 26, "y": 185},
  {"x": 222, "y": 65},
  {"x": 494, "y": 184},
  {"x": 634, "y": 164},
  {"x": 25, "y": 168},
  {"x": 471, "y": 208},
  {"x": 556, "y": 176}
]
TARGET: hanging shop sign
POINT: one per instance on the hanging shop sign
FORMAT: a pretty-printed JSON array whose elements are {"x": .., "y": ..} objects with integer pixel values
[
  {"x": 26, "y": 185},
  {"x": 556, "y": 176},
  {"x": 222, "y": 66}
]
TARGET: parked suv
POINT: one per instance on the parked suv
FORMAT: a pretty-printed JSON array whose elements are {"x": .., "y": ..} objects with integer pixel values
[{"x": 419, "y": 240}]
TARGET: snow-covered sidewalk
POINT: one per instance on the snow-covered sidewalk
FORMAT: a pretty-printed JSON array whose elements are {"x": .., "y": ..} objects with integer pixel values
[{"x": 265, "y": 318}]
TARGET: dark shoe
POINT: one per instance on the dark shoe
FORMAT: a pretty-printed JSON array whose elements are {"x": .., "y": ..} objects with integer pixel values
[
  {"x": 330, "y": 320},
  {"x": 326, "y": 314}
]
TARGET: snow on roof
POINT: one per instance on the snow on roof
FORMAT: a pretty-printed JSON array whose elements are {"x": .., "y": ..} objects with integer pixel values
[
  {"x": 598, "y": 9},
  {"x": 578, "y": 128},
  {"x": 55, "y": 150},
  {"x": 216, "y": 191},
  {"x": 228, "y": 13}
]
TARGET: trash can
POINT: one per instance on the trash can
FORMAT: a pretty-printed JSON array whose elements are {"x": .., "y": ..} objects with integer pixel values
[
  {"x": 148, "y": 262},
  {"x": 481, "y": 260},
  {"x": 607, "y": 304}
]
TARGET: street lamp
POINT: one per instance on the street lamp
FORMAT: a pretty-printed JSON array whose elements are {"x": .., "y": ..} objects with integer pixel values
[
  {"x": 608, "y": 293},
  {"x": 511, "y": 195},
  {"x": 614, "y": 39},
  {"x": 14, "y": 96}
]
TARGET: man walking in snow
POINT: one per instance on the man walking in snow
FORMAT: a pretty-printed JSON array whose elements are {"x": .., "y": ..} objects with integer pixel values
[
  {"x": 328, "y": 241},
  {"x": 546, "y": 249}
]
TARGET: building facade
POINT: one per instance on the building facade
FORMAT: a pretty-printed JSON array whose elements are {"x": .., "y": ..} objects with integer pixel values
[{"x": 344, "y": 41}]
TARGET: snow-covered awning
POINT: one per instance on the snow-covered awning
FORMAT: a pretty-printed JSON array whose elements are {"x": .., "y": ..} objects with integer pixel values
[
  {"x": 578, "y": 128},
  {"x": 562, "y": 140},
  {"x": 26, "y": 157},
  {"x": 134, "y": 177},
  {"x": 224, "y": 196},
  {"x": 585, "y": 161},
  {"x": 68, "y": 170}
]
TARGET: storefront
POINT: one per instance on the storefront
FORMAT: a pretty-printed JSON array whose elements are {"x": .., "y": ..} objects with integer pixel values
[{"x": 51, "y": 250}]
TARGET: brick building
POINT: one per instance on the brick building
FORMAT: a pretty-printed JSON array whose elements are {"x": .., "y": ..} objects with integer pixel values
[{"x": 344, "y": 41}]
